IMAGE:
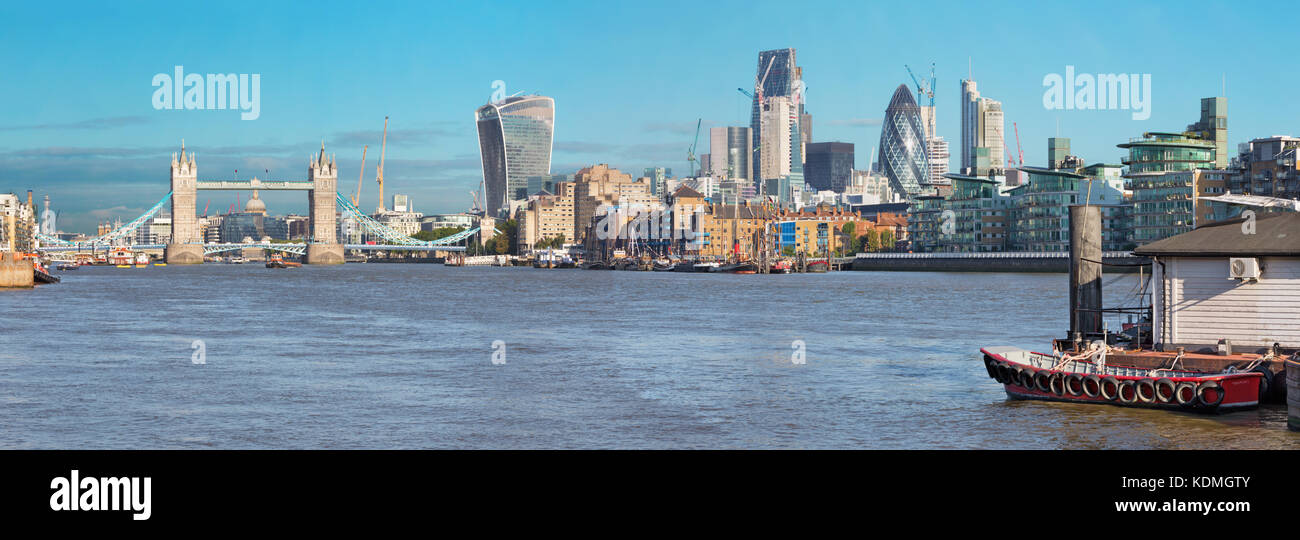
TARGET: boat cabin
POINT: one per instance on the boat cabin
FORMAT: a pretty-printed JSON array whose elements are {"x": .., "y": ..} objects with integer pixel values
[{"x": 1228, "y": 287}]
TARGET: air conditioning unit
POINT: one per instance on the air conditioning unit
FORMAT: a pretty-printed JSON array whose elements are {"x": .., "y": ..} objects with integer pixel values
[{"x": 1243, "y": 268}]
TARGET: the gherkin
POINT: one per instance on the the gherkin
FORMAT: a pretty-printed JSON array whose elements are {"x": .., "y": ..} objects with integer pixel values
[{"x": 903, "y": 157}]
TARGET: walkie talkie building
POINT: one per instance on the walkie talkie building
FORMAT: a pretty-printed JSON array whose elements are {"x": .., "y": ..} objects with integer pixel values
[{"x": 515, "y": 138}]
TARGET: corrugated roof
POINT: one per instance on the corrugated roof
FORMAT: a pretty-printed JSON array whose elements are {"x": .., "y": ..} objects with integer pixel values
[{"x": 1275, "y": 235}]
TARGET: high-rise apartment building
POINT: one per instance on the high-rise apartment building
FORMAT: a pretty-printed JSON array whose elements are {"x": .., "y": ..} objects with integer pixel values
[
  {"x": 1213, "y": 126},
  {"x": 515, "y": 139}
]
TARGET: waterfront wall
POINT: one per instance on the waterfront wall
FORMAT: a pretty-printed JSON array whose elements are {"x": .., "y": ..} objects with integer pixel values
[
  {"x": 987, "y": 262},
  {"x": 16, "y": 271}
]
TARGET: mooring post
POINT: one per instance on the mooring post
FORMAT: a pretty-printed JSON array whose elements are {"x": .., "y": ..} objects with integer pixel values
[{"x": 1085, "y": 271}]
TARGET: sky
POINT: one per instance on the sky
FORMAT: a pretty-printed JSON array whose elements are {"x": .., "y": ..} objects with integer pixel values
[{"x": 629, "y": 79}]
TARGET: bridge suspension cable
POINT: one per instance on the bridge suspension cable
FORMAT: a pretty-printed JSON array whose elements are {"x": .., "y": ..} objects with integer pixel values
[{"x": 390, "y": 235}]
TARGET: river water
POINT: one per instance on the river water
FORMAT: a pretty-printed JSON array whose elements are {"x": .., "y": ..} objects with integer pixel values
[{"x": 403, "y": 356}]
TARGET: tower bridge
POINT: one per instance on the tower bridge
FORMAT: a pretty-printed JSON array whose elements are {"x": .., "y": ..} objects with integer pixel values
[{"x": 321, "y": 246}]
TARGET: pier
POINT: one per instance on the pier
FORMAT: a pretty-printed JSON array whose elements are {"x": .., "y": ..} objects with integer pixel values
[{"x": 1011, "y": 261}]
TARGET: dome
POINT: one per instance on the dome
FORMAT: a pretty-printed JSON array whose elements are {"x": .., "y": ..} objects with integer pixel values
[{"x": 255, "y": 205}]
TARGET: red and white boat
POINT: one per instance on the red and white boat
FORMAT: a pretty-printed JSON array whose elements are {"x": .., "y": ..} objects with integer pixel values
[{"x": 1087, "y": 378}]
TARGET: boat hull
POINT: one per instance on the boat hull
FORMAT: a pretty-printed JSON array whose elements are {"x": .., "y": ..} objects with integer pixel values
[{"x": 1027, "y": 375}]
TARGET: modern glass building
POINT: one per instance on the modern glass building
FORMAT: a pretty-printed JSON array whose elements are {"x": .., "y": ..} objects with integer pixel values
[
  {"x": 903, "y": 152},
  {"x": 829, "y": 166},
  {"x": 731, "y": 151},
  {"x": 1040, "y": 211},
  {"x": 780, "y": 81},
  {"x": 1161, "y": 152},
  {"x": 515, "y": 139}
]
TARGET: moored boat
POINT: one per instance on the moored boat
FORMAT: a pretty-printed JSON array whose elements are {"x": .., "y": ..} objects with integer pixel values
[{"x": 1088, "y": 378}]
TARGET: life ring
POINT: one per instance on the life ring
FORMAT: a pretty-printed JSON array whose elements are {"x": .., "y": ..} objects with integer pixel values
[
  {"x": 1109, "y": 388},
  {"x": 1145, "y": 390},
  {"x": 1025, "y": 378},
  {"x": 1266, "y": 387},
  {"x": 1131, "y": 386},
  {"x": 1092, "y": 386},
  {"x": 1056, "y": 382},
  {"x": 1209, "y": 385},
  {"x": 1043, "y": 380},
  {"x": 1074, "y": 384},
  {"x": 1166, "y": 383},
  {"x": 1185, "y": 394}
]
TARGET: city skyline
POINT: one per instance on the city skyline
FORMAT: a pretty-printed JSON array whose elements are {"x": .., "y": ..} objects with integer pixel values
[{"x": 81, "y": 130}]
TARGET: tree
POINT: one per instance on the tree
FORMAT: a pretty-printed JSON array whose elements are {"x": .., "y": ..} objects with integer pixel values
[
  {"x": 887, "y": 239},
  {"x": 788, "y": 251},
  {"x": 872, "y": 243},
  {"x": 501, "y": 243},
  {"x": 849, "y": 228},
  {"x": 436, "y": 234}
]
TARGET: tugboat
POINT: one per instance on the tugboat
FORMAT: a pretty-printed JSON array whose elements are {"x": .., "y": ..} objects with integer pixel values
[
  {"x": 1218, "y": 300},
  {"x": 277, "y": 261}
]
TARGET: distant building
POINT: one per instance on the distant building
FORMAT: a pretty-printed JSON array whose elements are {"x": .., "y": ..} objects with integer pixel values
[
  {"x": 1267, "y": 167},
  {"x": 731, "y": 153},
  {"x": 981, "y": 127},
  {"x": 597, "y": 189},
  {"x": 781, "y": 72},
  {"x": 443, "y": 221},
  {"x": 548, "y": 216},
  {"x": 18, "y": 231},
  {"x": 1213, "y": 127},
  {"x": 903, "y": 155},
  {"x": 658, "y": 177},
  {"x": 546, "y": 182},
  {"x": 515, "y": 141},
  {"x": 829, "y": 166},
  {"x": 1040, "y": 211}
]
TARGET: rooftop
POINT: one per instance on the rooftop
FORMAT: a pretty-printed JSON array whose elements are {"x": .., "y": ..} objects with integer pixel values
[{"x": 1275, "y": 235}]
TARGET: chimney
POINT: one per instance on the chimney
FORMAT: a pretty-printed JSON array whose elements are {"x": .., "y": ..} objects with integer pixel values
[{"x": 29, "y": 199}]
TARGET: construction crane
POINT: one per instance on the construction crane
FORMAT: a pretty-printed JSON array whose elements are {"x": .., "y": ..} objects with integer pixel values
[
  {"x": 476, "y": 208},
  {"x": 1018, "y": 149},
  {"x": 690, "y": 152},
  {"x": 356, "y": 198},
  {"x": 923, "y": 89},
  {"x": 205, "y": 207},
  {"x": 379, "y": 174}
]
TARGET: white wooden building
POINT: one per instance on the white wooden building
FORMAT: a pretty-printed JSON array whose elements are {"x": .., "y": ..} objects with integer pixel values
[{"x": 1232, "y": 280}]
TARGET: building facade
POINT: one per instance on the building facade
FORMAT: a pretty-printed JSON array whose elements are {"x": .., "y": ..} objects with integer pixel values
[
  {"x": 829, "y": 166},
  {"x": 515, "y": 140},
  {"x": 903, "y": 153}
]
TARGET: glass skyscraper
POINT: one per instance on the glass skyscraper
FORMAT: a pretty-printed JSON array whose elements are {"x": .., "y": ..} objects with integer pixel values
[
  {"x": 515, "y": 137},
  {"x": 780, "y": 82},
  {"x": 903, "y": 156}
]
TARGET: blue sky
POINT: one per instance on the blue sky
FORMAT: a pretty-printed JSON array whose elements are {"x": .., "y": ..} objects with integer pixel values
[{"x": 629, "y": 79}]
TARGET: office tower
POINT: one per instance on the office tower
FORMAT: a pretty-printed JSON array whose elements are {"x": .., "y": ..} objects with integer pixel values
[
  {"x": 515, "y": 138},
  {"x": 731, "y": 153},
  {"x": 981, "y": 127},
  {"x": 829, "y": 166},
  {"x": 780, "y": 140},
  {"x": 1213, "y": 126},
  {"x": 903, "y": 152},
  {"x": 780, "y": 70}
]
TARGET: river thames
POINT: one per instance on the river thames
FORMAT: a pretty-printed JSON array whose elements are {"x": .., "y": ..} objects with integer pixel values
[{"x": 403, "y": 356}]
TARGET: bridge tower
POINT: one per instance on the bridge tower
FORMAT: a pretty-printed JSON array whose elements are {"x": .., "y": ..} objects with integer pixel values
[
  {"x": 186, "y": 247},
  {"x": 323, "y": 247}
]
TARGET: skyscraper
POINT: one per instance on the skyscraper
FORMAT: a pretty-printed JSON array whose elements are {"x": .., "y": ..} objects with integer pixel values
[
  {"x": 981, "y": 127},
  {"x": 731, "y": 153},
  {"x": 515, "y": 138},
  {"x": 903, "y": 152},
  {"x": 1213, "y": 126},
  {"x": 829, "y": 166},
  {"x": 779, "y": 67}
]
